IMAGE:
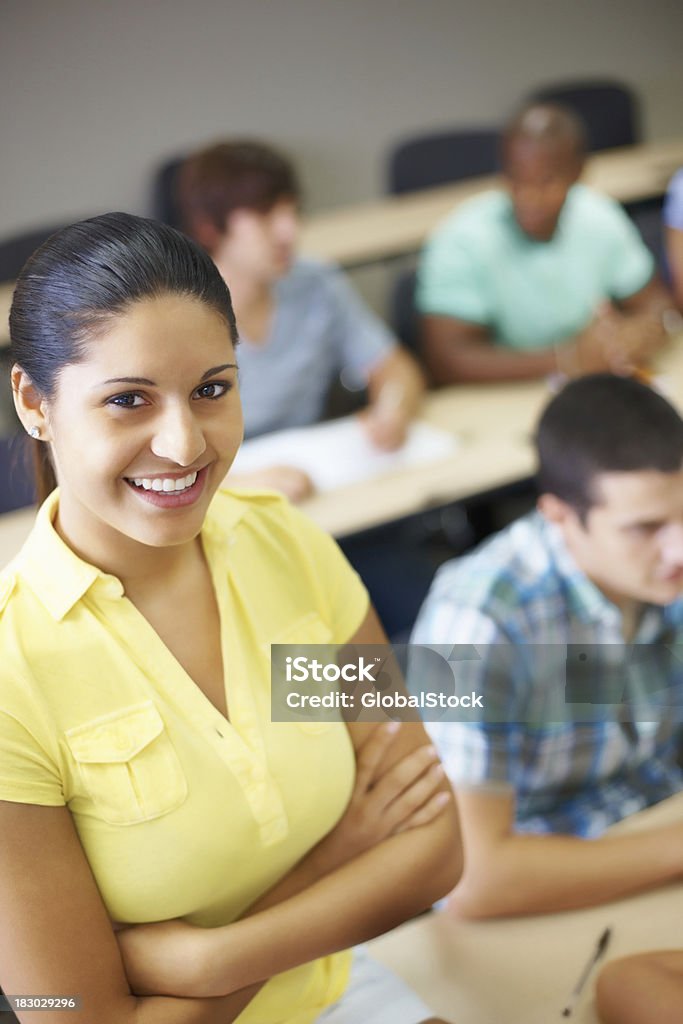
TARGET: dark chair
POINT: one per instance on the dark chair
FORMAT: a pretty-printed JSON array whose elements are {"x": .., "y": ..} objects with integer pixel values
[
  {"x": 164, "y": 206},
  {"x": 403, "y": 315},
  {"x": 16, "y": 478},
  {"x": 608, "y": 109},
  {"x": 16, "y": 250},
  {"x": 646, "y": 214},
  {"x": 442, "y": 157}
]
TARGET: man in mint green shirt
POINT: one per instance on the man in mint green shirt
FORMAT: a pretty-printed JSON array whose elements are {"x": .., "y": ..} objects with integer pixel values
[{"x": 544, "y": 276}]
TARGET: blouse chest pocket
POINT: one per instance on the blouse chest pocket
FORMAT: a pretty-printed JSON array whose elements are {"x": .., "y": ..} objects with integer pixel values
[{"x": 128, "y": 765}]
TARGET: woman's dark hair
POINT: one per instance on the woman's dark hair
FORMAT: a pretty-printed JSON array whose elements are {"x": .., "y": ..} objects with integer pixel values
[
  {"x": 229, "y": 176},
  {"x": 84, "y": 277},
  {"x": 604, "y": 424}
]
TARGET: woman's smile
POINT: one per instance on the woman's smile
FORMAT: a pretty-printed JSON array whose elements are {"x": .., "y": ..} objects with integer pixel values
[{"x": 170, "y": 491}]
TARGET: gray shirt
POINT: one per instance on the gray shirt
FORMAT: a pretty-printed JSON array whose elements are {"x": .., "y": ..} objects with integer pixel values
[{"x": 320, "y": 328}]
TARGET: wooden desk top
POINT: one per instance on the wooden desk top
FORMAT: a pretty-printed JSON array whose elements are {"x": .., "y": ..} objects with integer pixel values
[
  {"x": 493, "y": 424},
  {"x": 368, "y": 232},
  {"x": 522, "y": 970}
]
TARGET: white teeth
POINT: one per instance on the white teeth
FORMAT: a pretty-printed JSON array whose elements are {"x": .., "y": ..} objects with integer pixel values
[{"x": 166, "y": 483}]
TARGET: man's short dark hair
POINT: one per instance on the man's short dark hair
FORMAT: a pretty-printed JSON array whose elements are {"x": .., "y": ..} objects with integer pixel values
[
  {"x": 230, "y": 176},
  {"x": 546, "y": 124},
  {"x": 603, "y": 424}
]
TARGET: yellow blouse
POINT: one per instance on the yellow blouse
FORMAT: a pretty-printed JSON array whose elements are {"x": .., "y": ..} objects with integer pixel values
[{"x": 181, "y": 813}]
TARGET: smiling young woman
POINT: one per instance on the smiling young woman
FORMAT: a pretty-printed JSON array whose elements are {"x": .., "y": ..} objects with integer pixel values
[{"x": 170, "y": 854}]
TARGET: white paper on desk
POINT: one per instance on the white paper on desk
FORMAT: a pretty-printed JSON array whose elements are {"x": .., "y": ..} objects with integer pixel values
[{"x": 338, "y": 453}]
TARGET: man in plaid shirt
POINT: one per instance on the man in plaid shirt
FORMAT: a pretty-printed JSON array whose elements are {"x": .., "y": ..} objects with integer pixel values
[{"x": 571, "y": 621}]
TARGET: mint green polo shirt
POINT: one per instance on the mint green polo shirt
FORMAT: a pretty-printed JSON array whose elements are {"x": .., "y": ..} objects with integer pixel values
[{"x": 479, "y": 266}]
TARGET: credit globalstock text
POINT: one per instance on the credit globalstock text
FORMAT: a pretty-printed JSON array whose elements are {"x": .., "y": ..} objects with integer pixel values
[{"x": 468, "y": 683}]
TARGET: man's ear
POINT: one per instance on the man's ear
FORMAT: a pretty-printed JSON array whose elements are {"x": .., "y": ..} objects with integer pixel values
[
  {"x": 554, "y": 509},
  {"x": 207, "y": 234},
  {"x": 29, "y": 403}
]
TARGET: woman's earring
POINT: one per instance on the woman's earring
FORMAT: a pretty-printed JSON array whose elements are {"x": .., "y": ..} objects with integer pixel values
[{"x": 34, "y": 432}]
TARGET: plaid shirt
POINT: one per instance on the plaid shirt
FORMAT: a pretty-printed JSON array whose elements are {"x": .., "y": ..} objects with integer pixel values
[{"x": 584, "y": 728}]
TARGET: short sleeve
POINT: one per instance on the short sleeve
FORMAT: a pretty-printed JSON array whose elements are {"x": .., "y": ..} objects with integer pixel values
[
  {"x": 340, "y": 593},
  {"x": 485, "y": 751},
  {"x": 361, "y": 339},
  {"x": 630, "y": 264},
  {"x": 673, "y": 204},
  {"x": 27, "y": 773},
  {"x": 450, "y": 281}
]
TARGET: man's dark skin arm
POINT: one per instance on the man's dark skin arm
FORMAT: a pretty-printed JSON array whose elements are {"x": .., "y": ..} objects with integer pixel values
[{"x": 619, "y": 336}]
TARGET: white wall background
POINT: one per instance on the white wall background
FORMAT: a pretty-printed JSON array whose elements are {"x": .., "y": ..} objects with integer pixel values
[{"x": 95, "y": 93}]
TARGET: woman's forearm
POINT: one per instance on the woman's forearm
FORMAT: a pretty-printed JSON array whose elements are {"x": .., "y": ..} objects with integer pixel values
[
  {"x": 372, "y": 894},
  {"x": 168, "y": 1010}
]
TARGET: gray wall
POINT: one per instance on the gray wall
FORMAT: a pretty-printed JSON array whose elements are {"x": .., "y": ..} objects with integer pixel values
[{"x": 96, "y": 93}]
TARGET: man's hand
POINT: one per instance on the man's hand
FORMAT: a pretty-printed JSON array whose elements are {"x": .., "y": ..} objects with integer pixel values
[
  {"x": 385, "y": 801},
  {"x": 385, "y": 427},
  {"x": 617, "y": 342}
]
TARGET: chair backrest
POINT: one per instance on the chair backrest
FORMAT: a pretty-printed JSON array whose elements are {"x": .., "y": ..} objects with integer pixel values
[
  {"x": 16, "y": 478},
  {"x": 16, "y": 250},
  {"x": 403, "y": 315},
  {"x": 164, "y": 204},
  {"x": 442, "y": 157},
  {"x": 608, "y": 109},
  {"x": 647, "y": 215}
]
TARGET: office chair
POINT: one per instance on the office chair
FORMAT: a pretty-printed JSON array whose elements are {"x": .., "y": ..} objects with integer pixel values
[
  {"x": 17, "y": 489},
  {"x": 14, "y": 251},
  {"x": 402, "y": 312},
  {"x": 608, "y": 109},
  {"x": 164, "y": 206},
  {"x": 442, "y": 157}
]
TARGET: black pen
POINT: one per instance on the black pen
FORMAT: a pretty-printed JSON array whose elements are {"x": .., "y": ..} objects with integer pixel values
[{"x": 596, "y": 955}]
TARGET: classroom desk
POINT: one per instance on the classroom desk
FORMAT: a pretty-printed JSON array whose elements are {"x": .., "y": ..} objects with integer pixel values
[
  {"x": 368, "y": 232},
  {"x": 493, "y": 424},
  {"x": 522, "y": 970}
]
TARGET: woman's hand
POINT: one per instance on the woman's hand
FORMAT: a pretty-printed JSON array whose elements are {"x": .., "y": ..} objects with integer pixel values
[
  {"x": 291, "y": 481},
  {"x": 385, "y": 801}
]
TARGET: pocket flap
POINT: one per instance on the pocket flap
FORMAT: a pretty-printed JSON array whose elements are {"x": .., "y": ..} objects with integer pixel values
[{"x": 116, "y": 737}]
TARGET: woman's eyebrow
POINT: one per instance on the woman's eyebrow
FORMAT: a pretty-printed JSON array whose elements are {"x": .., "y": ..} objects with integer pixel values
[
  {"x": 152, "y": 384},
  {"x": 218, "y": 369},
  {"x": 127, "y": 380}
]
